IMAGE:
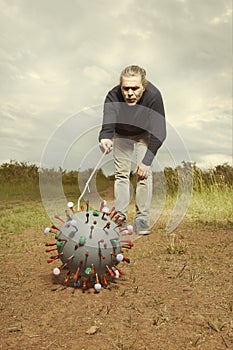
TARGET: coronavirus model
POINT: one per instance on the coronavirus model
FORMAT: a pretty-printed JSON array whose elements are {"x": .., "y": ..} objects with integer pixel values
[{"x": 90, "y": 245}]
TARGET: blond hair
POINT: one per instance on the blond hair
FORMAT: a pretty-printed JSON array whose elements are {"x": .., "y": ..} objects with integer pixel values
[{"x": 132, "y": 71}]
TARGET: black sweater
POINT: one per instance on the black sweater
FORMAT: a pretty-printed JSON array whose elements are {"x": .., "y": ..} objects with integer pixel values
[{"x": 147, "y": 115}]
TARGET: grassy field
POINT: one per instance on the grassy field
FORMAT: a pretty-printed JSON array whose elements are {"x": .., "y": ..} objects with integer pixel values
[
  {"x": 211, "y": 198},
  {"x": 175, "y": 294}
]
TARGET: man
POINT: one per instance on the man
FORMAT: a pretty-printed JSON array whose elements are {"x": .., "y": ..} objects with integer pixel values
[{"x": 133, "y": 119}]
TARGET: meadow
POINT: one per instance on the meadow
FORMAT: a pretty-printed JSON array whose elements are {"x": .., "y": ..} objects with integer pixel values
[{"x": 175, "y": 294}]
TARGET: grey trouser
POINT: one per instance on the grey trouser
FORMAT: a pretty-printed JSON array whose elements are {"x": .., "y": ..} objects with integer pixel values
[{"x": 123, "y": 149}]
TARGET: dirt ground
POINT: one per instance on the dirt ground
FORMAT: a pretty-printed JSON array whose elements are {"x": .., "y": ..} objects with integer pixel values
[{"x": 169, "y": 298}]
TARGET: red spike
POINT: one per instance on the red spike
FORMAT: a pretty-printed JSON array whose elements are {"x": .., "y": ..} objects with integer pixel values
[
  {"x": 55, "y": 257},
  {"x": 126, "y": 259},
  {"x": 112, "y": 214},
  {"x": 59, "y": 218},
  {"x": 63, "y": 266},
  {"x": 87, "y": 204},
  {"x": 127, "y": 246},
  {"x": 92, "y": 269},
  {"x": 55, "y": 227},
  {"x": 76, "y": 275},
  {"x": 97, "y": 278},
  {"x": 70, "y": 258},
  {"x": 102, "y": 256},
  {"x": 67, "y": 214},
  {"x": 113, "y": 254},
  {"x": 101, "y": 206},
  {"x": 121, "y": 257},
  {"x": 86, "y": 254},
  {"x": 123, "y": 219},
  {"x": 50, "y": 244},
  {"x": 120, "y": 223},
  {"x": 116, "y": 217},
  {"x": 97, "y": 284},
  {"x": 107, "y": 225},
  {"x": 84, "y": 286},
  {"x": 67, "y": 276},
  {"x": 50, "y": 250},
  {"x": 111, "y": 273},
  {"x": 104, "y": 282},
  {"x": 119, "y": 270},
  {"x": 112, "y": 210}
]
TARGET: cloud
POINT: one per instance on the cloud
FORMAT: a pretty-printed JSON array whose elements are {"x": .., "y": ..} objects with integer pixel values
[
  {"x": 96, "y": 75},
  {"x": 56, "y": 59},
  {"x": 209, "y": 139}
]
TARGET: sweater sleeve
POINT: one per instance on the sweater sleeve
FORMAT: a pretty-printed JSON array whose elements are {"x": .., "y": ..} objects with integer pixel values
[
  {"x": 157, "y": 129},
  {"x": 109, "y": 118}
]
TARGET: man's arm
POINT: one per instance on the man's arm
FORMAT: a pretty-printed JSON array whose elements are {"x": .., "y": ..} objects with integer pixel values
[
  {"x": 108, "y": 124},
  {"x": 157, "y": 130}
]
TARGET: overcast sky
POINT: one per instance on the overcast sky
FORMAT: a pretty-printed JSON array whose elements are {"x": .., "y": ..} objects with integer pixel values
[{"x": 59, "y": 58}]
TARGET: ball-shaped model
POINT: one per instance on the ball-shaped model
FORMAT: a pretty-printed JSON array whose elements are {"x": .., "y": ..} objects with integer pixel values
[{"x": 90, "y": 245}]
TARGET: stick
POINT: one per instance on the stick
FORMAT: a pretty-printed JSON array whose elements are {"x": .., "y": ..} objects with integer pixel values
[{"x": 88, "y": 181}]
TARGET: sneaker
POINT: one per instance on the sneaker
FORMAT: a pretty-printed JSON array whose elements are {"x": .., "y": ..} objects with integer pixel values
[{"x": 142, "y": 227}]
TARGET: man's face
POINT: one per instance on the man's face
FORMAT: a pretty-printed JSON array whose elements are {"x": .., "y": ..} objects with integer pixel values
[{"x": 132, "y": 89}]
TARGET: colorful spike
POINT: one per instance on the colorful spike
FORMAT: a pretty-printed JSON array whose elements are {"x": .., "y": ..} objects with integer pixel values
[
  {"x": 68, "y": 273},
  {"x": 68, "y": 215},
  {"x": 97, "y": 285},
  {"x": 59, "y": 218},
  {"x": 84, "y": 242},
  {"x": 71, "y": 206},
  {"x": 55, "y": 257},
  {"x": 107, "y": 225},
  {"x": 55, "y": 227}
]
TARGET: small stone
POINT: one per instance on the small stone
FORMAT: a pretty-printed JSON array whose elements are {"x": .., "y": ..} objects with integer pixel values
[{"x": 92, "y": 330}]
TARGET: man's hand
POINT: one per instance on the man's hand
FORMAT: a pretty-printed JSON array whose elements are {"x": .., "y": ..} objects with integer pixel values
[
  {"x": 142, "y": 171},
  {"x": 105, "y": 145}
]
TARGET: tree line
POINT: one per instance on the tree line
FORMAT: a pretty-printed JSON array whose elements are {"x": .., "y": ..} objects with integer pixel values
[{"x": 220, "y": 176}]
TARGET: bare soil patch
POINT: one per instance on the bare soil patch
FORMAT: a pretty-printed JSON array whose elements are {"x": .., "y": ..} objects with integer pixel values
[{"x": 170, "y": 297}]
